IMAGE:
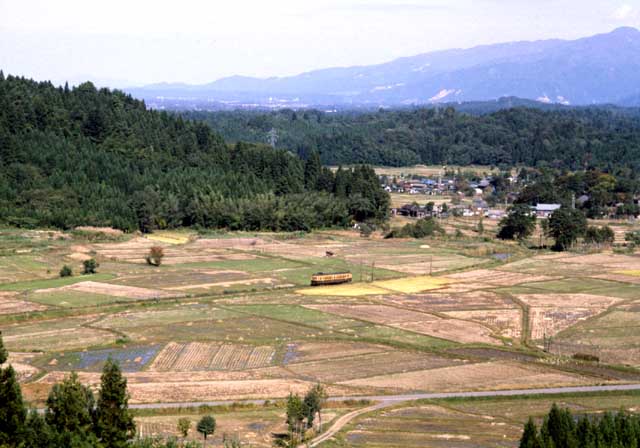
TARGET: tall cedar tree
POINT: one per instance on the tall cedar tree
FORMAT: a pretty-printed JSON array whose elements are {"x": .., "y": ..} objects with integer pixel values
[
  {"x": 530, "y": 437},
  {"x": 312, "y": 171},
  {"x": 12, "y": 410},
  {"x": 70, "y": 413},
  {"x": 114, "y": 422}
]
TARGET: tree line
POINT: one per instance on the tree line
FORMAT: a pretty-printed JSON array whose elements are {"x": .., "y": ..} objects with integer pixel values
[
  {"x": 74, "y": 418},
  {"x": 561, "y": 429},
  {"x": 87, "y": 156},
  {"x": 605, "y": 138}
]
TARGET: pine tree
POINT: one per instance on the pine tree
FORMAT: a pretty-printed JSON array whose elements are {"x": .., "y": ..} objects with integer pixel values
[
  {"x": 114, "y": 422},
  {"x": 4, "y": 355},
  {"x": 530, "y": 437},
  {"x": 37, "y": 433},
  {"x": 312, "y": 170},
  {"x": 585, "y": 434},
  {"x": 12, "y": 410},
  {"x": 70, "y": 413}
]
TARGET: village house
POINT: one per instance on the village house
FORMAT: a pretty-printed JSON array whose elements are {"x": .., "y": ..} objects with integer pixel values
[{"x": 545, "y": 210}]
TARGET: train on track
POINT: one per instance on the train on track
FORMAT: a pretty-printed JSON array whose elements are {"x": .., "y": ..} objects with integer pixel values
[{"x": 336, "y": 278}]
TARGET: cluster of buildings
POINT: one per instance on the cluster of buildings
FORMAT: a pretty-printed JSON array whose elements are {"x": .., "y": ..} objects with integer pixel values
[{"x": 478, "y": 207}]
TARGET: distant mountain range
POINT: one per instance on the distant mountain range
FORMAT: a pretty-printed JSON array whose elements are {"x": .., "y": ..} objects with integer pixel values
[{"x": 604, "y": 68}]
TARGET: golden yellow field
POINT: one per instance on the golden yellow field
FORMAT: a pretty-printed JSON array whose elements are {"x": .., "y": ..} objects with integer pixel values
[
  {"x": 631, "y": 272},
  {"x": 413, "y": 285},
  {"x": 410, "y": 285},
  {"x": 348, "y": 290},
  {"x": 169, "y": 237}
]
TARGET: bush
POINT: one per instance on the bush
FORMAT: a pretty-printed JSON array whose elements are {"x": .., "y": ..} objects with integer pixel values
[
  {"x": 421, "y": 229},
  {"x": 66, "y": 271},
  {"x": 599, "y": 235},
  {"x": 585, "y": 357},
  {"x": 633, "y": 237},
  {"x": 156, "y": 253},
  {"x": 90, "y": 266}
]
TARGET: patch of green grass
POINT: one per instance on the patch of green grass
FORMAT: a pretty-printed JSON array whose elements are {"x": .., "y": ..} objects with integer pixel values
[
  {"x": 618, "y": 290},
  {"x": 163, "y": 317},
  {"x": 401, "y": 338},
  {"x": 299, "y": 314},
  {"x": 53, "y": 282},
  {"x": 259, "y": 264}
]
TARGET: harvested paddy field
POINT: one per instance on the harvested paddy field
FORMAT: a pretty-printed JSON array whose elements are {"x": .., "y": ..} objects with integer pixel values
[
  {"x": 449, "y": 301},
  {"x": 552, "y": 313},
  {"x": 55, "y": 335},
  {"x": 428, "y": 324},
  {"x": 506, "y": 323},
  {"x": 321, "y": 351},
  {"x": 195, "y": 356},
  {"x": 498, "y": 278},
  {"x": 108, "y": 289},
  {"x": 426, "y": 263},
  {"x": 10, "y": 304},
  {"x": 150, "y": 387},
  {"x": 614, "y": 337},
  {"x": 368, "y": 365},
  {"x": 481, "y": 376},
  {"x": 235, "y": 317}
]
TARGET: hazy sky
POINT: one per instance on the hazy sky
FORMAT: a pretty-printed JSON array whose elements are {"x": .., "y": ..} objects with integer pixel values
[{"x": 131, "y": 42}]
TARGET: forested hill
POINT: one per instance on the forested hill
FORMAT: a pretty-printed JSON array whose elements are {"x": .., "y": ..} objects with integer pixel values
[
  {"x": 87, "y": 156},
  {"x": 601, "y": 137}
]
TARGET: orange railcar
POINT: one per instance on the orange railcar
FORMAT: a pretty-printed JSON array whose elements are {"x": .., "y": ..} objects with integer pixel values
[{"x": 336, "y": 278}]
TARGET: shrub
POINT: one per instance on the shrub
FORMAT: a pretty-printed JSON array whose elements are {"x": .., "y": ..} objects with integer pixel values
[
  {"x": 366, "y": 230},
  {"x": 599, "y": 235},
  {"x": 633, "y": 237},
  {"x": 66, "y": 271},
  {"x": 154, "y": 258},
  {"x": 585, "y": 357},
  {"x": 421, "y": 229},
  {"x": 90, "y": 266}
]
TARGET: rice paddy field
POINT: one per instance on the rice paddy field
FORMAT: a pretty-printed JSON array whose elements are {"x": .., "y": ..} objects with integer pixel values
[{"x": 233, "y": 316}]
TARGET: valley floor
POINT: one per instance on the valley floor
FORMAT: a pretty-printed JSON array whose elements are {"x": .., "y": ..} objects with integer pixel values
[{"x": 231, "y": 317}]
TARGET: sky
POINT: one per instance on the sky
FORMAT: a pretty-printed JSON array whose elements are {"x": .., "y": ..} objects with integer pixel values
[{"x": 121, "y": 43}]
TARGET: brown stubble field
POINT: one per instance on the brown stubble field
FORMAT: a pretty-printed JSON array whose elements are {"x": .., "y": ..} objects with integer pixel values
[{"x": 231, "y": 317}]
